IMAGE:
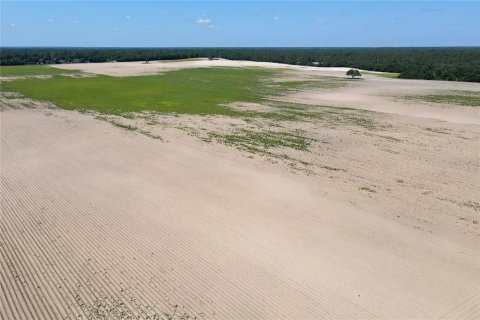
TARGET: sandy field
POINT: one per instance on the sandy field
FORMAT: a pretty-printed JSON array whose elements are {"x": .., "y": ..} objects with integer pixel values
[
  {"x": 378, "y": 221},
  {"x": 126, "y": 69}
]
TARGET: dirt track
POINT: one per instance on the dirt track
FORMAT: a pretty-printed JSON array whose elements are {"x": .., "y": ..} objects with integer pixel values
[{"x": 96, "y": 220}]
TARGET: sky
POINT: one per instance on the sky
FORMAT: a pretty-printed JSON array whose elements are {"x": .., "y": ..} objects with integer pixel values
[{"x": 239, "y": 23}]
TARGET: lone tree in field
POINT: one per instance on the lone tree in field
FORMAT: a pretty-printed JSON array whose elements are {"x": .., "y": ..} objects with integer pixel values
[{"x": 354, "y": 73}]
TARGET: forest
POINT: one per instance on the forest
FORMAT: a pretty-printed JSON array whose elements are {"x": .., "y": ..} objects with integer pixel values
[{"x": 452, "y": 64}]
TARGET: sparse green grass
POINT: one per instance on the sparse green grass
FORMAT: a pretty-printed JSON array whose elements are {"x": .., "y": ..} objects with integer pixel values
[
  {"x": 31, "y": 70},
  {"x": 437, "y": 130},
  {"x": 390, "y": 138},
  {"x": 203, "y": 91},
  {"x": 330, "y": 116},
  {"x": 151, "y": 135},
  {"x": 274, "y": 116},
  {"x": 269, "y": 144},
  {"x": 368, "y": 189},
  {"x": 259, "y": 142},
  {"x": 104, "y": 308},
  {"x": 285, "y": 86},
  {"x": 332, "y": 168},
  {"x": 462, "y": 98},
  {"x": 124, "y": 126},
  {"x": 334, "y": 117},
  {"x": 131, "y": 128},
  {"x": 391, "y": 75}
]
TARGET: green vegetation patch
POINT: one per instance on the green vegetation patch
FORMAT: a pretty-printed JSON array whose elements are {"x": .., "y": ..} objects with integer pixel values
[
  {"x": 193, "y": 91},
  {"x": 391, "y": 75},
  {"x": 283, "y": 86},
  {"x": 462, "y": 98},
  {"x": 31, "y": 70},
  {"x": 259, "y": 142},
  {"x": 368, "y": 189},
  {"x": 330, "y": 116}
]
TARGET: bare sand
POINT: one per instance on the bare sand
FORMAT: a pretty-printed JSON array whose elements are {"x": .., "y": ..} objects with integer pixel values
[
  {"x": 388, "y": 96},
  {"x": 137, "y": 68},
  {"x": 100, "y": 221}
]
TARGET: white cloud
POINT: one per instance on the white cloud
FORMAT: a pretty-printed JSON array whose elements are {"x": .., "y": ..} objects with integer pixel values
[
  {"x": 204, "y": 22},
  {"x": 128, "y": 17},
  {"x": 50, "y": 20}
]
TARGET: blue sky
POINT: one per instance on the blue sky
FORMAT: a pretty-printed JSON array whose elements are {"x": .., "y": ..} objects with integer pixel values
[{"x": 240, "y": 23}]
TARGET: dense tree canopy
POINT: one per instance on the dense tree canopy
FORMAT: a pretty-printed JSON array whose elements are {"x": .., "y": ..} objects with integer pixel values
[{"x": 454, "y": 64}]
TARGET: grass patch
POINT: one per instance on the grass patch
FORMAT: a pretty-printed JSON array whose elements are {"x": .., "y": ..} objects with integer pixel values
[
  {"x": 462, "y": 98},
  {"x": 440, "y": 130},
  {"x": 193, "y": 91},
  {"x": 332, "y": 168},
  {"x": 330, "y": 116},
  {"x": 31, "y": 70},
  {"x": 273, "y": 88},
  {"x": 130, "y": 128},
  {"x": 390, "y": 138},
  {"x": 283, "y": 86},
  {"x": 391, "y": 75},
  {"x": 190, "y": 91},
  {"x": 123, "y": 126},
  {"x": 367, "y": 189},
  {"x": 334, "y": 117},
  {"x": 259, "y": 142},
  {"x": 114, "y": 308},
  {"x": 150, "y": 135}
]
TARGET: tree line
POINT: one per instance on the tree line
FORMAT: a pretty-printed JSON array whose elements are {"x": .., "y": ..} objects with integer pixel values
[{"x": 453, "y": 64}]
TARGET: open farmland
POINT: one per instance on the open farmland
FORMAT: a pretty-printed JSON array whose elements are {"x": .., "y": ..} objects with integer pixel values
[{"x": 218, "y": 189}]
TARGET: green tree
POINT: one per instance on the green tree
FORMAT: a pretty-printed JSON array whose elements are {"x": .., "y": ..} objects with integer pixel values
[{"x": 354, "y": 73}]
